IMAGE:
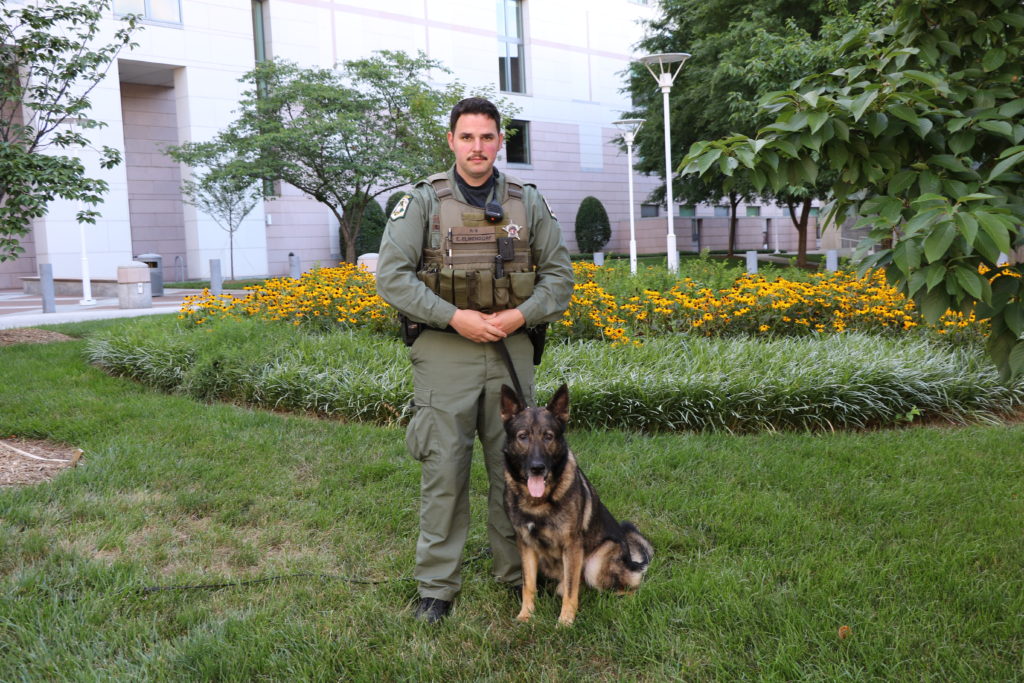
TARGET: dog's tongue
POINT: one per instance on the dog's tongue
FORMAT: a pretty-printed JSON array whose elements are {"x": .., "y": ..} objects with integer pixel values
[{"x": 536, "y": 486}]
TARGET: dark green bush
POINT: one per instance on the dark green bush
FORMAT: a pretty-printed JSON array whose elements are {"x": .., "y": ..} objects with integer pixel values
[
  {"x": 593, "y": 230},
  {"x": 371, "y": 229}
]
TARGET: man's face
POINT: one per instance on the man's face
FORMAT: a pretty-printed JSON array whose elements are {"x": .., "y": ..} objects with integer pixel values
[{"x": 475, "y": 143}]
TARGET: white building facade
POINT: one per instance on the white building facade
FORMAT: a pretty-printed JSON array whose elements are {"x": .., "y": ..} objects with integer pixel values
[{"x": 561, "y": 62}]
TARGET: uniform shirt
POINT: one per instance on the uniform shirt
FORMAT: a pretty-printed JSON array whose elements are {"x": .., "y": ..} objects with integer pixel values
[{"x": 401, "y": 249}]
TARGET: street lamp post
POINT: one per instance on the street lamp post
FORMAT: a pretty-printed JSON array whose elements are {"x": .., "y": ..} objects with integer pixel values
[
  {"x": 629, "y": 128},
  {"x": 661, "y": 68},
  {"x": 86, "y": 299}
]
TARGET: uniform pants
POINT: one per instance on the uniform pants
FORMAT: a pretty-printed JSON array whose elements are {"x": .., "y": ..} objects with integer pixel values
[{"x": 457, "y": 390}]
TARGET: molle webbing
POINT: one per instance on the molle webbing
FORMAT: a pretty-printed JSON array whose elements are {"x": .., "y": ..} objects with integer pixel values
[{"x": 462, "y": 251}]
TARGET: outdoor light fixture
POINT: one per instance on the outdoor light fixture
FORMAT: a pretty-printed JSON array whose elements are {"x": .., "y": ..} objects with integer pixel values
[
  {"x": 629, "y": 128},
  {"x": 86, "y": 299},
  {"x": 664, "y": 72}
]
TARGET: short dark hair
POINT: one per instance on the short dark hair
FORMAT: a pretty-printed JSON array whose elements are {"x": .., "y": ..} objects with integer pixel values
[{"x": 474, "y": 105}]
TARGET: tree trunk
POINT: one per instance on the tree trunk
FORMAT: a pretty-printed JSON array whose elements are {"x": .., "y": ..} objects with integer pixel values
[
  {"x": 801, "y": 228},
  {"x": 734, "y": 202},
  {"x": 345, "y": 238}
]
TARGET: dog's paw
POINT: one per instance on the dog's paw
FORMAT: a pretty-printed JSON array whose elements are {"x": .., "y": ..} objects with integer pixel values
[
  {"x": 566, "y": 617},
  {"x": 524, "y": 616}
]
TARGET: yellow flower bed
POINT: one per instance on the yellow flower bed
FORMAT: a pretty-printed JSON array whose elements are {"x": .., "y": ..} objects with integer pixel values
[
  {"x": 834, "y": 302},
  {"x": 330, "y": 297},
  {"x": 827, "y": 303}
]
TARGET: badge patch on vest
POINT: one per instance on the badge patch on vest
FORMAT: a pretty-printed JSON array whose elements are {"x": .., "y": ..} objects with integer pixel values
[
  {"x": 401, "y": 207},
  {"x": 513, "y": 230}
]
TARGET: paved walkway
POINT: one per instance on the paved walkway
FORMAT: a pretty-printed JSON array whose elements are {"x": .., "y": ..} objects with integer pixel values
[{"x": 18, "y": 309}]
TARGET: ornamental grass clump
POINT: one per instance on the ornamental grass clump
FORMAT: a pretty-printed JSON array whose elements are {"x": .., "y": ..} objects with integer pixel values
[{"x": 670, "y": 383}]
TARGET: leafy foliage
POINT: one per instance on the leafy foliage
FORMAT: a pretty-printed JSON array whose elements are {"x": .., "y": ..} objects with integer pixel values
[
  {"x": 920, "y": 123},
  {"x": 371, "y": 229},
  {"x": 50, "y": 63},
  {"x": 341, "y": 136},
  {"x": 741, "y": 52},
  {"x": 593, "y": 229}
]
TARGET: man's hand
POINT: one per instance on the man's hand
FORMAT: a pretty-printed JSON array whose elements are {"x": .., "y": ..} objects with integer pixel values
[
  {"x": 509, "y": 320},
  {"x": 477, "y": 326},
  {"x": 486, "y": 327}
]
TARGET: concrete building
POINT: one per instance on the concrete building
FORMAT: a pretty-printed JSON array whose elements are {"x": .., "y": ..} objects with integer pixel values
[{"x": 560, "y": 62}]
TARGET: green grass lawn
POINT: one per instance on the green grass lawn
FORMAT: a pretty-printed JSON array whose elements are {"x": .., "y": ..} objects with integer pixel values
[{"x": 765, "y": 546}]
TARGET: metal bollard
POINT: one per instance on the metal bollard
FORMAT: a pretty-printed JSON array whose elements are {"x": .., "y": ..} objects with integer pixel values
[
  {"x": 216, "y": 279},
  {"x": 831, "y": 260},
  {"x": 752, "y": 262},
  {"x": 46, "y": 288}
]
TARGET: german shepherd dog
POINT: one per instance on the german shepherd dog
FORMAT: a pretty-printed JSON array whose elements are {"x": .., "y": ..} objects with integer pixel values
[{"x": 561, "y": 526}]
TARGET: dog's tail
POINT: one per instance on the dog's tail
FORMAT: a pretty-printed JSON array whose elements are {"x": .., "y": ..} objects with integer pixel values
[{"x": 637, "y": 550}]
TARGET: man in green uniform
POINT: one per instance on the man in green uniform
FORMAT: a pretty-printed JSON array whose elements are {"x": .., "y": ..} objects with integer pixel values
[{"x": 471, "y": 257}]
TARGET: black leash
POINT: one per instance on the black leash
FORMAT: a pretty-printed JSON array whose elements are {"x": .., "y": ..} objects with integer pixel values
[
  {"x": 503, "y": 350},
  {"x": 299, "y": 575}
]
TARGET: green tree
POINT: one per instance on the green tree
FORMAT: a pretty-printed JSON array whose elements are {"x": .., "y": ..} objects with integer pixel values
[
  {"x": 52, "y": 56},
  {"x": 225, "y": 196},
  {"x": 921, "y": 125},
  {"x": 742, "y": 51},
  {"x": 342, "y": 136},
  {"x": 593, "y": 229}
]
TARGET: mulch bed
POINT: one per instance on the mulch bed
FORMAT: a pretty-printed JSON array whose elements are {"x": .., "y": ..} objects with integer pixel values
[
  {"x": 31, "y": 335},
  {"x": 17, "y": 469}
]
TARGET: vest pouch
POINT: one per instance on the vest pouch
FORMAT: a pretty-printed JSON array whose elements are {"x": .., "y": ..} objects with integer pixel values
[
  {"x": 429, "y": 278},
  {"x": 522, "y": 287},
  {"x": 481, "y": 290},
  {"x": 446, "y": 284},
  {"x": 501, "y": 293},
  {"x": 461, "y": 288}
]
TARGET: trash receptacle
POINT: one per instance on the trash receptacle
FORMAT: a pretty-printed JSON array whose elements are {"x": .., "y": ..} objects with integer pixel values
[
  {"x": 134, "y": 289},
  {"x": 156, "y": 272}
]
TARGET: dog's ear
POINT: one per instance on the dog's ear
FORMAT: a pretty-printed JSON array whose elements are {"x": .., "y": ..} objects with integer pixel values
[
  {"x": 511, "y": 404},
  {"x": 559, "y": 404}
]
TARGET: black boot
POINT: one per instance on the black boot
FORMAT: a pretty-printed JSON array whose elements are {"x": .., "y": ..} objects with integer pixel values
[{"x": 432, "y": 610}]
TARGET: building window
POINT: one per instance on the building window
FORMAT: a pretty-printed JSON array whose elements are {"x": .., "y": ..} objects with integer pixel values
[
  {"x": 753, "y": 211},
  {"x": 510, "y": 46},
  {"x": 162, "y": 11},
  {"x": 517, "y": 143},
  {"x": 721, "y": 211},
  {"x": 687, "y": 211},
  {"x": 648, "y": 211}
]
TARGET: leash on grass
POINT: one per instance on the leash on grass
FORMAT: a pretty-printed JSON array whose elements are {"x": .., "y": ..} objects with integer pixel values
[{"x": 282, "y": 577}]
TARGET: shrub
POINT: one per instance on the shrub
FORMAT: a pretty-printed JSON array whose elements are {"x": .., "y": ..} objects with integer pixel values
[
  {"x": 371, "y": 229},
  {"x": 593, "y": 230}
]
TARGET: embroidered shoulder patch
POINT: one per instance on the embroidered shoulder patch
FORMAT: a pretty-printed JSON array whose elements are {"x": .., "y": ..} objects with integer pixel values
[{"x": 401, "y": 207}]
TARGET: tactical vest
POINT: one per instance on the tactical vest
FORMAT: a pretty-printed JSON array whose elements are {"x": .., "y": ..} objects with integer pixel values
[{"x": 473, "y": 263}]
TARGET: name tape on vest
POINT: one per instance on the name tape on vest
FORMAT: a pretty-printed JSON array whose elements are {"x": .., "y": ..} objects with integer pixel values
[{"x": 467, "y": 234}]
